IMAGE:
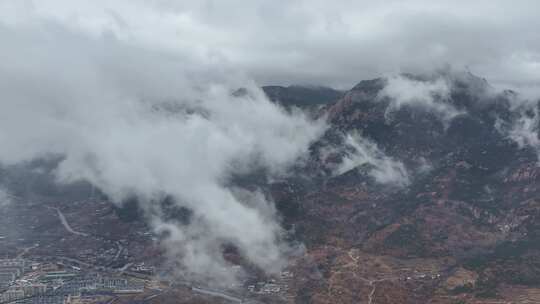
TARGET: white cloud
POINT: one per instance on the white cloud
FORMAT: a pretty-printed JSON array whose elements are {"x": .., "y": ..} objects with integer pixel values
[
  {"x": 431, "y": 95},
  {"x": 523, "y": 130},
  {"x": 383, "y": 169},
  {"x": 145, "y": 122}
]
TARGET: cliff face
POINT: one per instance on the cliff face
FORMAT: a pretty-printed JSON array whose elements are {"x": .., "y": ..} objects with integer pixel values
[{"x": 466, "y": 217}]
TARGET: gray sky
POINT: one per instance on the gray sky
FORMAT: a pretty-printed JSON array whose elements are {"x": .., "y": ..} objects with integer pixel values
[{"x": 335, "y": 42}]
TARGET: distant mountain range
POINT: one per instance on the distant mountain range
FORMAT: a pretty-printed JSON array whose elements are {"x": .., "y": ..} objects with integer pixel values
[{"x": 302, "y": 96}]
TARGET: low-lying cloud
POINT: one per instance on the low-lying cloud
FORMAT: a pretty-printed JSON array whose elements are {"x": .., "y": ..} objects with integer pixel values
[
  {"x": 524, "y": 131},
  {"x": 360, "y": 151},
  {"x": 524, "y": 126},
  {"x": 430, "y": 95},
  {"x": 140, "y": 122}
]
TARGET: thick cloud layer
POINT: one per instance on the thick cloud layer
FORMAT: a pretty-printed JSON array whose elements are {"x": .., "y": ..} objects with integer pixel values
[
  {"x": 321, "y": 42},
  {"x": 134, "y": 121}
]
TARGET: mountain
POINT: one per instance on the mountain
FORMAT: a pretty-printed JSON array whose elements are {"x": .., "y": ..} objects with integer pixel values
[
  {"x": 302, "y": 96},
  {"x": 442, "y": 207},
  {"x": 423, "y": 189}
]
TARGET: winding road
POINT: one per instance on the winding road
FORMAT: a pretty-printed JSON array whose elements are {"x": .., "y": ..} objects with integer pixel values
[{"x": 66, "y": 224}]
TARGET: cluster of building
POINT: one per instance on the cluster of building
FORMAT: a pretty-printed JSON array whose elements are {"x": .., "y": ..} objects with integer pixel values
[
  {"x": 26, "y": 282},
  {"x": 279, "y": 285},
  {"x": 11, "y": 270},
  {"x": 142, "y": 268}
]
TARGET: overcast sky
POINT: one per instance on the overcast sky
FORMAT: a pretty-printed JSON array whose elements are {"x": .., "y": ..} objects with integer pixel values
[{"x": 335, "y": 42}]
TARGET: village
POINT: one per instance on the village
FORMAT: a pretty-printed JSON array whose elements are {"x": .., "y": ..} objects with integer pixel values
[{"x": 26, "y": 281}]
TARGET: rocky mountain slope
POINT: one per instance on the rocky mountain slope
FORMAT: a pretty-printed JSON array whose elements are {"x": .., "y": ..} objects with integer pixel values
[{"x": 439, "y": 201}]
